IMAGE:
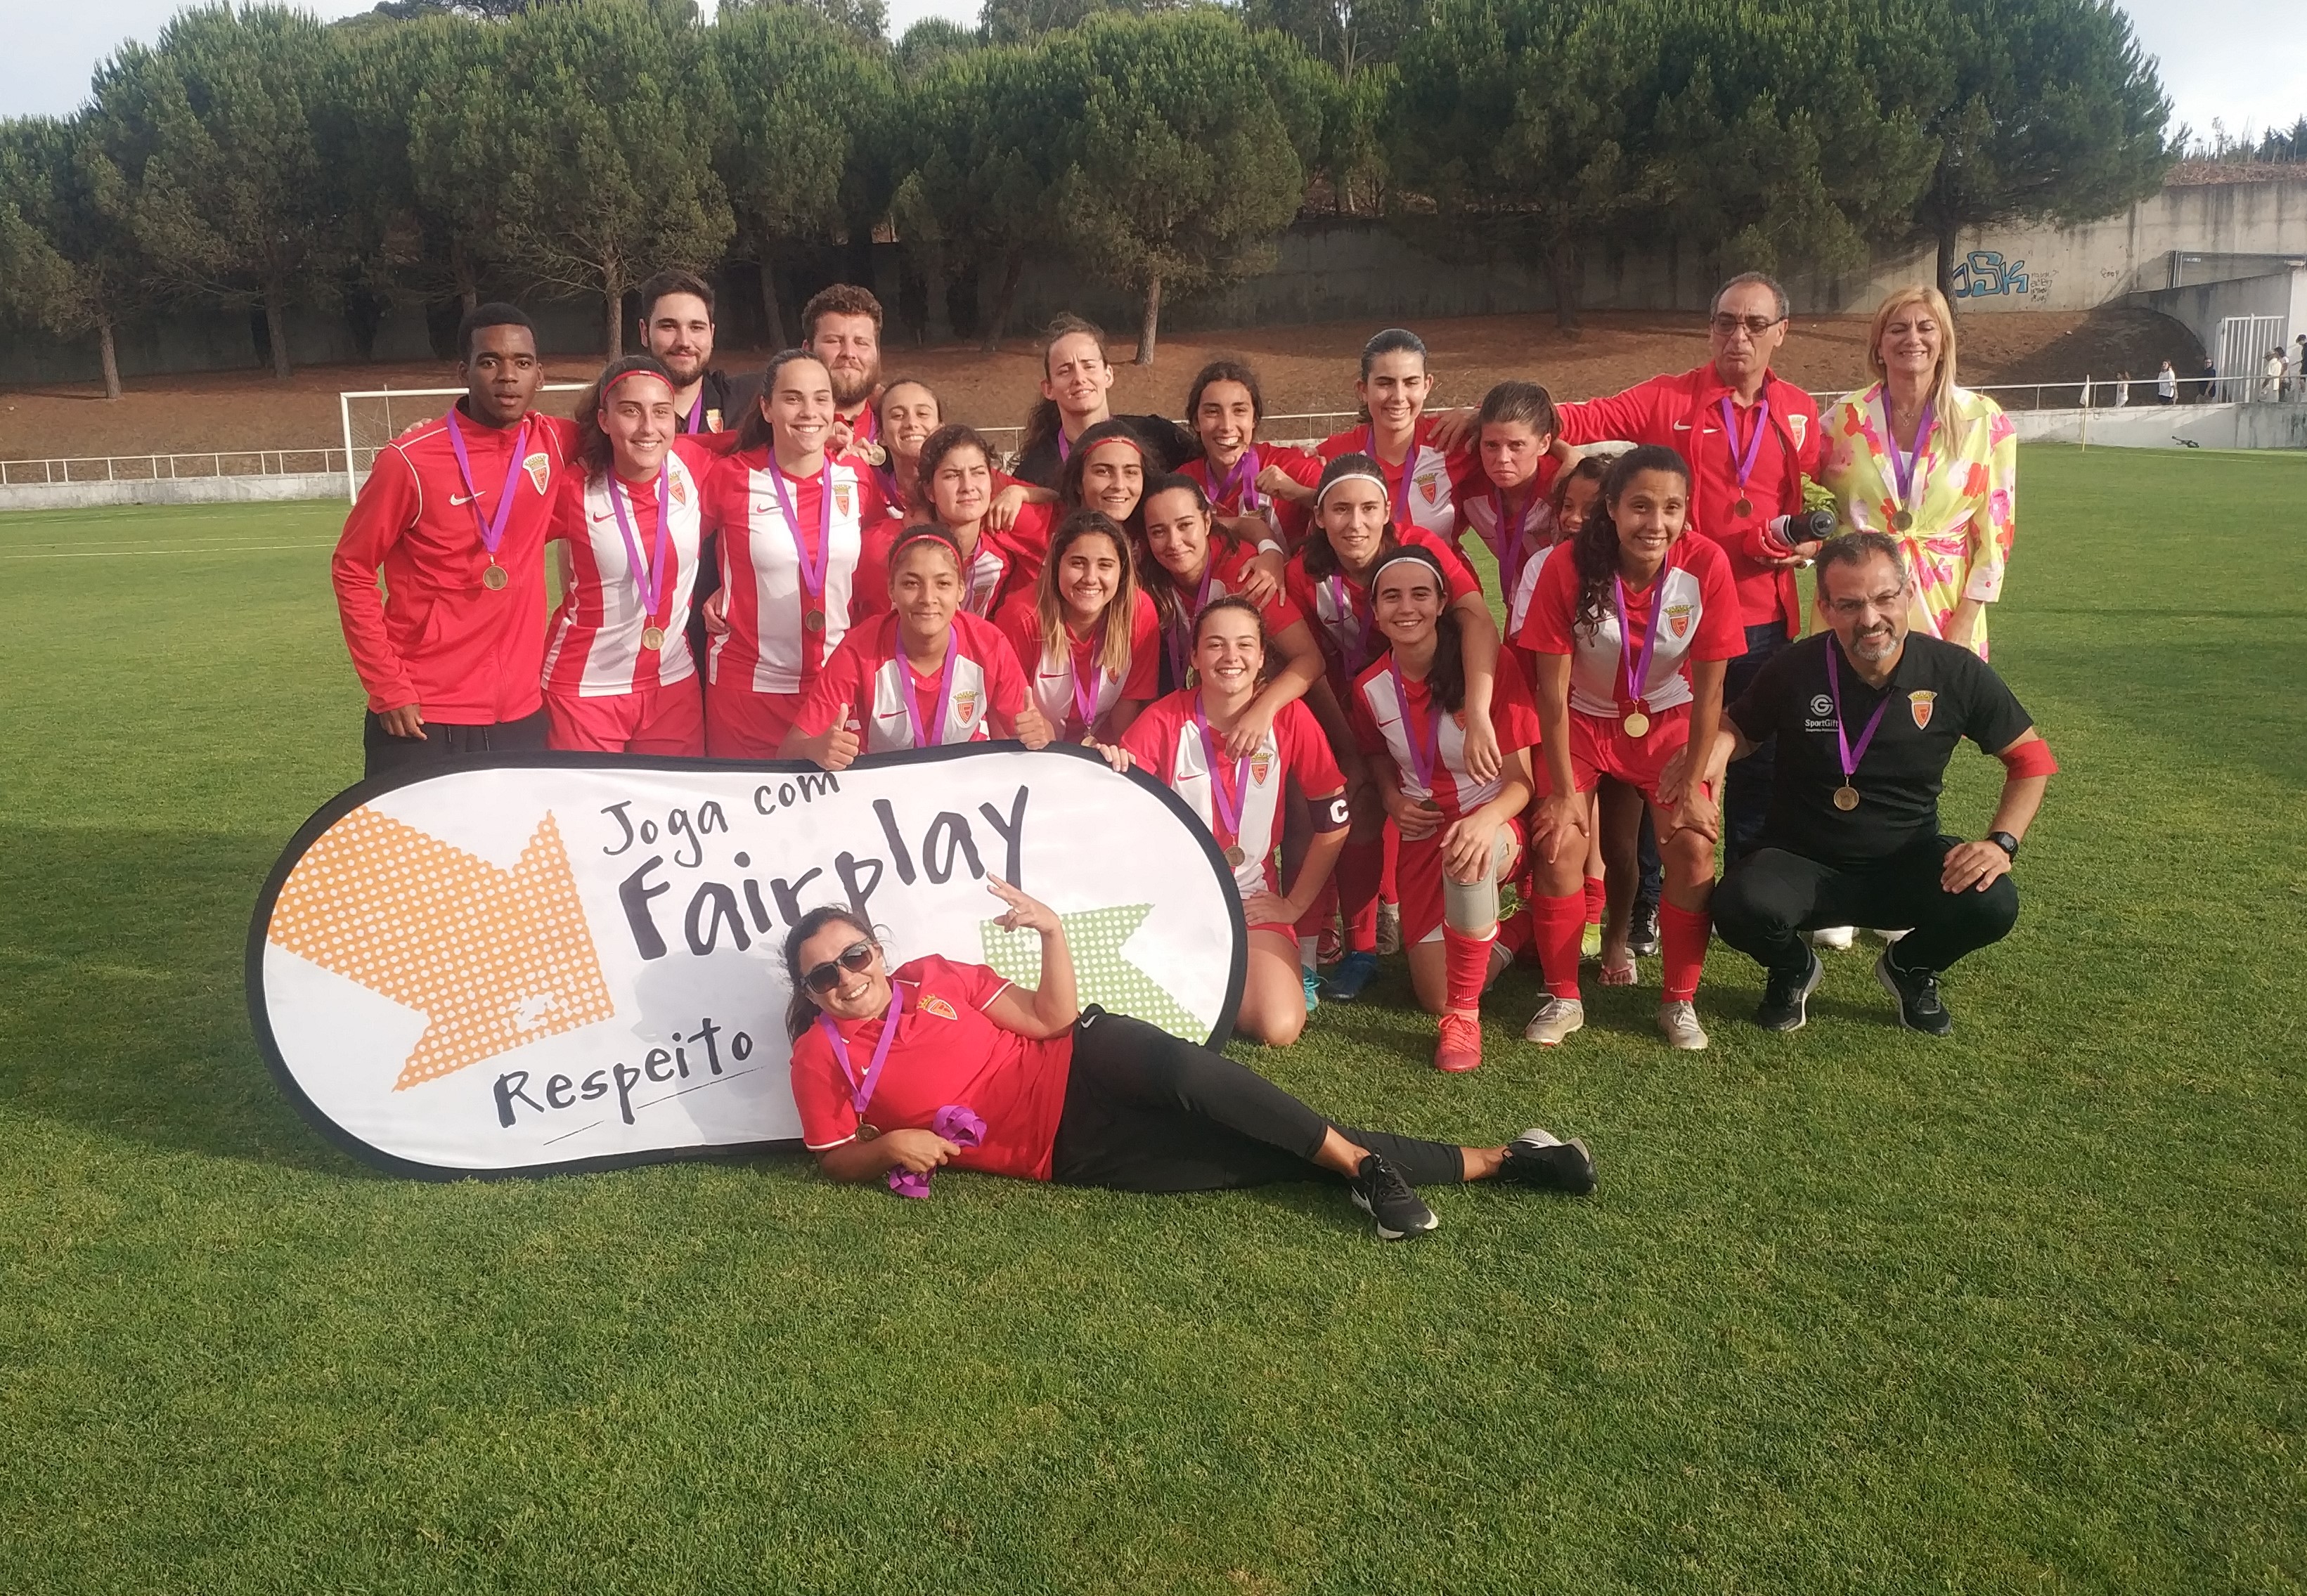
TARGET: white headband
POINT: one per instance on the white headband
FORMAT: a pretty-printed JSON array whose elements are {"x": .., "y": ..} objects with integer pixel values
[
  {"x": 1420, "y": 559},
  {"x": 1345, "y": 477}
]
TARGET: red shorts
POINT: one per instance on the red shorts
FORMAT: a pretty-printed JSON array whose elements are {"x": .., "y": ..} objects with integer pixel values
[
  {"x": 1600, "y": 747},
  {"x": 650, "y": 720},
  {"x": 740, "y": 724},
  {"x": 1288, "y": 933},
  {"x": 1419, "y": 877}
]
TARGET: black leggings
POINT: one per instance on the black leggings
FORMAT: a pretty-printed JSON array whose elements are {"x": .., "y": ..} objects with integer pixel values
[{"x": 1145, "y": 1112}]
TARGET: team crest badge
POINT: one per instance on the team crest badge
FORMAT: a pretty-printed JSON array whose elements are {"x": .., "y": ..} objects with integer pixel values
[
  {"x": 1430, "y": 484},
  {"x": 680, "y": 490},
  {"x": 1799, "y": 426},
  {"x": 938, "y": 1007},
  {"x": 841, "y": 500},
  {"x": 964, "y": 707},
  {"x": 1919, "y": 705},
  {"x": 1261, "y": 764},
  {"x": 712, "y": 421},
  {"x": 539, "y": 468},
  {"x": 1678, "y": 620}
]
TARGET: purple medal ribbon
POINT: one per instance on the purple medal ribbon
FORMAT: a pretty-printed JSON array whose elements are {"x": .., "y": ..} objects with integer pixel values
[
  {"x": 1903, "y": 467},
  {"x": 861, "y": 1089},
  {"x": 1225, "y": 806},
  {"x": 1181, "y": 637},
  {"x": 1424, "y": 752},
  {"x": 1742, "y": 459},
  {"x": 1509, "y": 545},
  {"x": 1065, "y": 449},
  {"x": 648, "y": 578},
  {"x": 1638, "y": 673},
  {"x": 493, "y": 527},
  {"x": 1242, "y": 479},
  {"x": 1841, "y": 739},
  {"x": 697, "y": 412},
  {"x": 958, "y": 1124},
  {"x": 1401, "y": 508},
  {"x": 1338, "y": 591},
  {"x": 812, "y": 576},
  {"x": 1084, "y": 703},
  {"x": 921, "y": 739}
]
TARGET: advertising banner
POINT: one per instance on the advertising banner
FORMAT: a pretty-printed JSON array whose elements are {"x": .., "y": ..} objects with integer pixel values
[{"x": 553, "y": 962}]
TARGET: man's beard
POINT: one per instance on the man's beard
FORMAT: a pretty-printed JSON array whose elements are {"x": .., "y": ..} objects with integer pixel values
[
  {"x": 685, "y": 368},
  {"x": 851, "y": 387}
]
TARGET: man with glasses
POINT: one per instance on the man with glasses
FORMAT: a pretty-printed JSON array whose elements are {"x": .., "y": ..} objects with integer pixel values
[
  {"x": 1750, "y": 439},
  {"x": 1867, "y": 718}
]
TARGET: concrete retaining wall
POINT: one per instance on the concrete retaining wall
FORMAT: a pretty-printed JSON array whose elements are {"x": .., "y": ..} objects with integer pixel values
[
  {"x": 181, "y": 490},
  {"x": 2169, "y": 426}
]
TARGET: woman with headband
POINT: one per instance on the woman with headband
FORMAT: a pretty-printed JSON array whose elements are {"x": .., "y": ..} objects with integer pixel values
[
  {"x": 1396, "y": 432},
  {"x": 1631, "y": 625},
  {"x": 618, "y": 673},
  {"x": 959, "y": 485},
  {"x": 1191, "y": 741},
  {"x": 1328, "y": 579},
  {"x": 1085, "y": 634},
  {"x": 925, "y": 675},
  {"x": 792, "y": 526},
  {"x": 1460, "y": 833}
]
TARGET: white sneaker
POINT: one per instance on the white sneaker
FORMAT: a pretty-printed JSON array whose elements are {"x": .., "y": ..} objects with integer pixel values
[
  {"x": 1890, "y": 937},
  {"x": 1678, "y": 1024},
  {"x": 1389, "y": 930},
  {"x": 1501, "y": 961},
  {"x": 1837, "y": 938},
  {"x": 1555, "y": 1018}
]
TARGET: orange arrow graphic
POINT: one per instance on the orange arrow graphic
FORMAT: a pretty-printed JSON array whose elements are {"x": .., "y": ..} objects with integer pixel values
[{"x": 494, "y": 959}]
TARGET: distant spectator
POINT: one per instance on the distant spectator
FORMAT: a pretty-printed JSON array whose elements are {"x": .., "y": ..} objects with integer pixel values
[
  {"x": 2166, "y": 385},
  {"x": 2122, "y": 388},
  {"x": 2270, "y": 377},
  {"x": 2299, "y": 372},
  {"x": 2210, "y": 381}
]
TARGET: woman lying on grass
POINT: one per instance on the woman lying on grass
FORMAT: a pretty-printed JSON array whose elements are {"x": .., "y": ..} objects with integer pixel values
[{"x": 1079, "y": 1096}]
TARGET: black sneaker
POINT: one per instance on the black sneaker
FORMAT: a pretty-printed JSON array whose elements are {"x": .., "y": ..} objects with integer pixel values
[
  {"x": 1785, "y": 995},
  {"x": 1917, "y": 991},
  {"x": 1643, "y": 930},
  {"x": 1542, "y": 1159},
  {"x": 1381, "y": 1192}
]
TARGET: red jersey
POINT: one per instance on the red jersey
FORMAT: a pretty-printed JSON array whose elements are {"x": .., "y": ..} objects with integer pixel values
[
  {"x": 1003, "y": 563},
  {"x": 1055, "y": 683},
  {"x": 947, "y": 1050},
  {"x": 1698, "y": 619},
  {"x": 1481, "y": 510},
  {"x": 1166, "y": 740},
  {"x": 1385, "y": 724},
  {"x": 1684, "y": 413},
  {"x": 1423, "y": 488},
  {"x": 439, "y": 637},
  {"x": 1224, "y": 569},
  {"x": 1235, "y": 493},
  {"x": 869, "y": 673},
  {"x": 1339, "y": 607},
  {"x": 771, "y": 644},
  {"x": 596, "y": 648}
]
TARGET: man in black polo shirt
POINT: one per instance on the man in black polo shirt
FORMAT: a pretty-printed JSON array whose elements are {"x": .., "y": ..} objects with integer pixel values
[
  {"x": 677, "y": 328},
  {"x": 1866, "y": 717}
]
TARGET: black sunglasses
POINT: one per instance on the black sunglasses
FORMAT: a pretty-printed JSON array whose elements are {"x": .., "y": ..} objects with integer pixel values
[{"x": 856, "y": 958}]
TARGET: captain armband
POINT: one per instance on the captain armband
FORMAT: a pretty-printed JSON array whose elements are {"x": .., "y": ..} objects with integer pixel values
[
  {"x": 1332, "y": 814},
  {"x": 2029, "y": 758}
]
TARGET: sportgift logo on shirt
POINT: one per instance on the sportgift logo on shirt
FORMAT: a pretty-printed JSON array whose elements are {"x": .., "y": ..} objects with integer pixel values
[{"x": 553, "y": 961}]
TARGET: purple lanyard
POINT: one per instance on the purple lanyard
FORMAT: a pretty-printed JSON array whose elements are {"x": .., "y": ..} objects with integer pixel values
[
  {"x": 493, "y": 527},
  {"x": 1903, "y": 468},
  {"x": 1338, "y": 591},
  {"x": 1225, "y": 806},
  {"x": 921, "y": 739},
  {"x": 861, "y": 1091},
  {"x": 1509, "y": 545},
  {"x": 1638, "y": 673},
  {"x": 1084, "y": 703},
  {"x": 1065, "y": 449},
  {"x": 1181, "y": 637},
  {"x": 648, "y": 578},
  {"x": 1424, "y": 752},
  {"x": 1242, "y": 479},
  {"x": 812, "y": 576},
  {"x": 697, "y": 412},
  {"x": 1841, "y": 739},
  {"x": 1401, "y": 509},
  {"x": 1743, "y": 457}
]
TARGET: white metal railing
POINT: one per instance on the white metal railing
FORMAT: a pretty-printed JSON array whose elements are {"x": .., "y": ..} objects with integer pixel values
[{"x": 171, "y": 467}]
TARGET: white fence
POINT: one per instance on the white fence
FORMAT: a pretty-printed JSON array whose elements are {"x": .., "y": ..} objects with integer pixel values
[{"x": 172, "y": 467}]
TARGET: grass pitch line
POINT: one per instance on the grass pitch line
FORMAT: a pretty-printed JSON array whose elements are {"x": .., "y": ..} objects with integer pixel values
[{"x": 246, "y": 548}]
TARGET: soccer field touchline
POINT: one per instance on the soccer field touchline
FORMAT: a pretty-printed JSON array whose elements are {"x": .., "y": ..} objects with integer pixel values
[{"x": 150, "y": 553}]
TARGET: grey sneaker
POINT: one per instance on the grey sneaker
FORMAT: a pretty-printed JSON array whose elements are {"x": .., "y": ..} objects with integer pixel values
[
  {"x": 1678, "y": 1024},
  {"x": 1538, "y": 1157},
  {"x": 1389, "y": 930},
  {"x": 1555, "y": 1018}
]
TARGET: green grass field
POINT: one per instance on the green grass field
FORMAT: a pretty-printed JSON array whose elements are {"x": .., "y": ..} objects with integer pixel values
[{"x": 1852, "y": 1311}]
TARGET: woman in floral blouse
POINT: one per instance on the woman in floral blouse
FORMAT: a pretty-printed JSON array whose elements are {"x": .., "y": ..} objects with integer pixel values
[{"x": 1935, "y": 466}]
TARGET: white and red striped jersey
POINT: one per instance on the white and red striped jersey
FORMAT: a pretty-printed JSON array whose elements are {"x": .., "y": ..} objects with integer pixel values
[
  {"x": 1518, "y": 600},
  {"x": 770, "y": 646},
  {"x": 1698, "y": 619},
  {"x": 1166, "y": 740},
  {"x": 869, "y": 673},
  {"x": 1385, "y": 724},
  {"x": 1003, "y": 563},
  {"x": 1340, "y": 608},
  {"x": 1230, "y": 494},
  {"x": 595, "y": 648},
  {"x": 1477, "y": 513},
  {"x": 1052, "y": 680},
  {"x": 1423, "y": 488},
  {"x": 1226, "y": 566}
]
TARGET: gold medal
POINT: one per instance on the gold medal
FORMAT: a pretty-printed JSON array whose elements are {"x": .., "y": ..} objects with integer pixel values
[
  {"x": 871, "y": 452},
  {"x": 1846, "y": 797},
  {"x": 813, "y": 621},
  {"x": 1744, "y": 506},
  {"x": 866, "y": 1133},
  {"x": 495, "y": 578},
  {"x": 652, "y": 637},
  {"x": 1901, "y": 520},
  {"x": 1637, "y": 725},
  {"x": 1236, "y": 857}
]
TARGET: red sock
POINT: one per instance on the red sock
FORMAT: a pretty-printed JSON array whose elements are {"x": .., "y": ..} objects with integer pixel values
[
  {"x": 1514, "y": 933},
  {"x": 1594, "y": 900},
  {"x": 1356, "y": 875},
  {"x": 1316, "y": 920},
  {"x": 1467, "y": 961},
  {"x": 1682, "y": 934},
  {"x": 1557, "y": 921}
]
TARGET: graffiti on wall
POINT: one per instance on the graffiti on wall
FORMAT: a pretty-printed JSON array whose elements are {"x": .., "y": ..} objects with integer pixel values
[{"x": 1985, "y": 274}]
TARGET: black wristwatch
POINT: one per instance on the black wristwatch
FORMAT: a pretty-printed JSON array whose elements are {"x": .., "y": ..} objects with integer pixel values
[{"x": 2004, "y": 841}]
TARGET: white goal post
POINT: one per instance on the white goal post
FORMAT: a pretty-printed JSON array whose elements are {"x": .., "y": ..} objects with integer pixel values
[{"x": 370, "y": 421}]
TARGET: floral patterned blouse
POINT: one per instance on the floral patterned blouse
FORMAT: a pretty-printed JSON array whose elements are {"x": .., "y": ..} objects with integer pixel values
[{"x": 1963, "y": 499}]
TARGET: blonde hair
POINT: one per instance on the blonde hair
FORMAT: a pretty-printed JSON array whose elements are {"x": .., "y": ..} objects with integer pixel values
[{"x": 1931, "y": 300}]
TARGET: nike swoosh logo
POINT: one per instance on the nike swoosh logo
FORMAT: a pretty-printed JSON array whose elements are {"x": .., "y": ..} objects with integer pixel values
[
  {"x": 454, "y": 500},
  {"x": 1682, "y": 427}
]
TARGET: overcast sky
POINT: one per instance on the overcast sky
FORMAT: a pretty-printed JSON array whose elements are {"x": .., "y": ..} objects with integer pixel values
[{"x": 2241, "y": 61}]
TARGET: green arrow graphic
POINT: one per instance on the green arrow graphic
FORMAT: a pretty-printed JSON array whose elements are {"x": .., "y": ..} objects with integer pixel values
[{"x": 1102, "y": 975}]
